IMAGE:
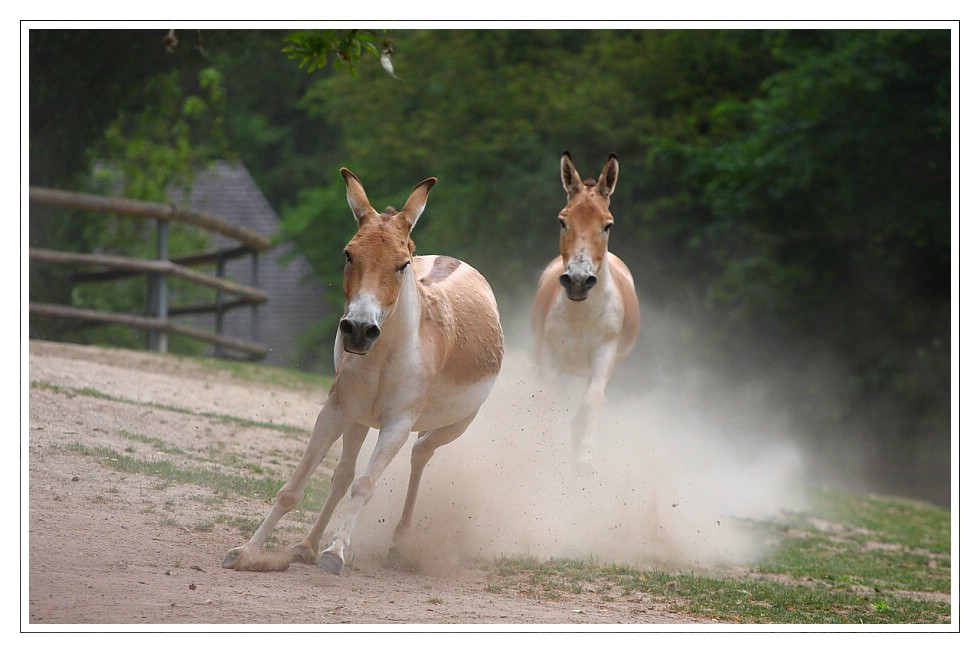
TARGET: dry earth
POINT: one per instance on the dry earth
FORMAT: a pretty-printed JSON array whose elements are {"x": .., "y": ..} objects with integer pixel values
[{"x": 110, "y": 545}]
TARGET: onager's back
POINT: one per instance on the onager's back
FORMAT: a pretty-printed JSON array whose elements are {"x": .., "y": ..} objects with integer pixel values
[
  {"x": 474, "y": 352},
  {"x": 418, "y": 349}
]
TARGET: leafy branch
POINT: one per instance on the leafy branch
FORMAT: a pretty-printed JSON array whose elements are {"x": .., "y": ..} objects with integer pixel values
[{"x": 315, "y": 48}]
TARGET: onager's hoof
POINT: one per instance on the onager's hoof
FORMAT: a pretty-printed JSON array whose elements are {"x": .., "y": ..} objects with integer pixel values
[
  {"x": 243, "y": 559},
  {"x": 398, "y": 560},
  {"x": 232, "y": 558},
  {"x": 304, "y": 553},
  {"x": 331, "y": 562}
]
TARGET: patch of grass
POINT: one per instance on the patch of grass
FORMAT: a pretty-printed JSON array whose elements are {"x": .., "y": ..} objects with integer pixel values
[
  {"x": 254, "y": 481},
  {"x": 850, "y": 560},
  {"x": 218, "y": 417},
  {"x": 266, "y": 374},
  {"x": 892, "y": 520},
  {"x": 244, "y": 526},
  {"x": 156, "y": 443},
  {"x": 867, "y": 543},
  {"x": 214, "y": 479}
]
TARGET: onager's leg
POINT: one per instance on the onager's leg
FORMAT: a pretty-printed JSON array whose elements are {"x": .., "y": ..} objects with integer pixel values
[
  {"x": 306, "y": 550},
  {"x": 586, "y": 420},
  {"x": 328, "y": 427},
  {"x": 422, "y": 451},
  {"x": 391, "y": 439}
]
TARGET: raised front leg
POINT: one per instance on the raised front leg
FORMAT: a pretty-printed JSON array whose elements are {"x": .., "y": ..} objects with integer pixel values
[
  {"x": 306, "y": 550},
  {"x": 391, "y": 439},
  {"x": 586, "y": 421},
  {"x": 329, "y": 425}
]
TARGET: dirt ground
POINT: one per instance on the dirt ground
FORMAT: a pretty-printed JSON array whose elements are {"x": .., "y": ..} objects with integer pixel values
[{"x": 114, "y": 546}]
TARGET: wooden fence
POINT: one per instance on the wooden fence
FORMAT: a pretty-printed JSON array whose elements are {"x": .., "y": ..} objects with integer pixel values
[{"x": 156, "y": 321}]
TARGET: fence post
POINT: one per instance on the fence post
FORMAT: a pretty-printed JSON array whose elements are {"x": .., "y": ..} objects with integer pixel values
[
  {"x": 219, "y": 305},
  {"x": 255, "y": 306},
  {"x": 155, "y": 319},
  {"x": 158, "y": 295}
]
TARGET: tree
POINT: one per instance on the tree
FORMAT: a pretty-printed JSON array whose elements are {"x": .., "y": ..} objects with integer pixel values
[
  {"x": 785, "y": 187},
  {"x": 829, "y": 227}
]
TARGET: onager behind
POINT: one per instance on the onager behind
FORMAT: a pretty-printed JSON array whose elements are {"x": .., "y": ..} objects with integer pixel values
[
  {"x": 418, "y": 348},
  {"x": 586, "y": 316}
]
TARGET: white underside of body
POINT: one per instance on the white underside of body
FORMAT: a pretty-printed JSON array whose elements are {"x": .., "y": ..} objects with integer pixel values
[{"x": 573, "y": 331}]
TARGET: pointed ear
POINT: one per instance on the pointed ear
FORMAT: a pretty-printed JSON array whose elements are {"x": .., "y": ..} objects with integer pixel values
[
  {"x": 356, "y": 196},
  {"x": 569, "y": 175},
  {"x": 609, "y": 176},
  {"x": 415, "y": 203}
]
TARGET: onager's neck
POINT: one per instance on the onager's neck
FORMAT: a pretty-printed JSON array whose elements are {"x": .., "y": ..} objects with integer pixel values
[{"x": 402, "y": 325}]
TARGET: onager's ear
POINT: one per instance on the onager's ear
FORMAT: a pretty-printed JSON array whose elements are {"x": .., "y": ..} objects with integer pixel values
[
  {"x": 609, "y": 176},
  {"x": 415, "y": 203},
  {"x": 569, "y": 175},
  {"x": 356, "y": 196}
]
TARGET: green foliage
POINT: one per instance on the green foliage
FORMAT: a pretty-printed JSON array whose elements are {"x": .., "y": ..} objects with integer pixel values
[
  {"x": 79, "y": 80},
  {"x": 314, "y": 48},
  {"x": 146, "y": 154}
]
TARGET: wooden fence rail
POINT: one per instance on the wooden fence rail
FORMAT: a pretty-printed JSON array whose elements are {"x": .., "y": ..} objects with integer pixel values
[
  {"x": 156, "y": 322},
  {"x": 136, "y": 208}
]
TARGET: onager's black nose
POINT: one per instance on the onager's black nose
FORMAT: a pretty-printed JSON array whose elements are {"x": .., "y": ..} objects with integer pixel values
[
  {"x": 358, "y": 337},
  {"x": 577, "y": 286}
]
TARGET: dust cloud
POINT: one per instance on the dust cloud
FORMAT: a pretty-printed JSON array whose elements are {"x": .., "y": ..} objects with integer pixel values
[{"x": 683, "y": 475}]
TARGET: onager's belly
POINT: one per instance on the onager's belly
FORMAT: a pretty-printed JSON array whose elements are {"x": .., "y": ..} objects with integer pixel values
[{"x": 449, "y": 403}]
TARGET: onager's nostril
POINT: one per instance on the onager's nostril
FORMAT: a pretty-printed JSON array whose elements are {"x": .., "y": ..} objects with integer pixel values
[
  {"x": 346, "y": 327},
  {"x": 565, "y": 280},
  {"x": 590, "y": 281},
  {"x": 372, "y": 333}
]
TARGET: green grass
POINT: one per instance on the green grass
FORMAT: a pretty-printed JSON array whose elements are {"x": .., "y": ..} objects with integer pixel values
[
  {"x": 212, "y": 478},
  {"x": 297, "y": 380},
  {"x": 851, "y": 560},
  {"x": 219, "y": 417}
]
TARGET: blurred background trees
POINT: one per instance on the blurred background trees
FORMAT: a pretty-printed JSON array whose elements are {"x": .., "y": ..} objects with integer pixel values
[{"x": 784, "y": 196}]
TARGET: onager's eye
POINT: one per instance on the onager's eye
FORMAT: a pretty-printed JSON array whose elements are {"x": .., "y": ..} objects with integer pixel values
[
  {"x": 347, "y": 258},
  {"x": 402, "y": 267},
  {"x": 564, "y": 225},
  {"x": 607, "y": 228}
]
